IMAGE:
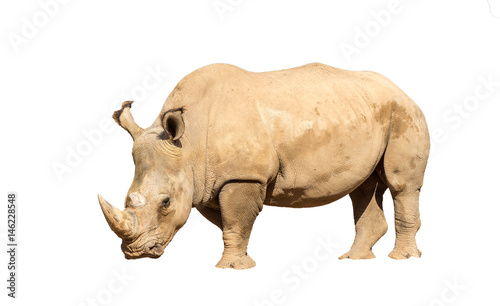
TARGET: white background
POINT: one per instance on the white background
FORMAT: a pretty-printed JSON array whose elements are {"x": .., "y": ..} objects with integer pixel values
[{"x": 68, "y": 76}]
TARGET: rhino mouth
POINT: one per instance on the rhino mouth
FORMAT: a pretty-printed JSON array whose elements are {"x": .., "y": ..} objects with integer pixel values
[{"x": 151, "y": 249}]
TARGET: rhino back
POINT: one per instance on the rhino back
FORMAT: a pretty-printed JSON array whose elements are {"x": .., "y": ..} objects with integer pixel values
[{"x": 312, "y": 133}]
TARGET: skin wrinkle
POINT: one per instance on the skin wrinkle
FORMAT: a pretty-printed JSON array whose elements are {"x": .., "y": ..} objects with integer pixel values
[
  {"x": 161, "y": 147},
  {"x": 300, "y": 137},
  {"x": 268, "y": 130},
  {"x": 207, "y": 191}
]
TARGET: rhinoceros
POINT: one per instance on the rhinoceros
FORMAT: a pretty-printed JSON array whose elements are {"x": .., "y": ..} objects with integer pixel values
[{"x": 228, "y": 141}]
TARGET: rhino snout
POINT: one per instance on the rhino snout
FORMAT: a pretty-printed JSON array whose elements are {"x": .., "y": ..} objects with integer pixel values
[{"x": 150, "y": 249}]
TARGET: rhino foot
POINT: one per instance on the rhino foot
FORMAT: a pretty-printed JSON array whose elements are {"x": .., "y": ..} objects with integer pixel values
[
  {"x": 358, "y": 254},
  {"x": 236, "y": 262},
  {"x": 405, "y": 253}
]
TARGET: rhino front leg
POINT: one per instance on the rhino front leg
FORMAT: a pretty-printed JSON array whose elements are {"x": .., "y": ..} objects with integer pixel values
[
  {"x": 240, "y": 203},
  {"x": 212, "y": 215}
]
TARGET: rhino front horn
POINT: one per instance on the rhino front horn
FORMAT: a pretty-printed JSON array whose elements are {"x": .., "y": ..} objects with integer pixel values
[{"x": 122, "y": 223}]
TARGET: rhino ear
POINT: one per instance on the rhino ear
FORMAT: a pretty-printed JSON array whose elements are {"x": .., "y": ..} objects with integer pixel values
[{"x": 173, "y": 124}]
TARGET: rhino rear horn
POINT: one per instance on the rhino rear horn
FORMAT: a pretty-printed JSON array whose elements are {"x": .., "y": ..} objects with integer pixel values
[
  {"x": 124, "y": 118},
  {"x": 122, "y": 223}
]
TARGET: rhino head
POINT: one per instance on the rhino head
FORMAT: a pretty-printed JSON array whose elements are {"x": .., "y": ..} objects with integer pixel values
[{"x": 159, "y": 200}]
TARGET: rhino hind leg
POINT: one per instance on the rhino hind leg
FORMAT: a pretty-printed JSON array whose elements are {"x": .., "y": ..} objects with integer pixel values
[
  {"x": 407, "y": 224},
  {"x": 404, "y": 164},
  {"x": 406, "y": 216},
  {"x": 240, "y": 203},
  {"x": 369, "y": 218}
]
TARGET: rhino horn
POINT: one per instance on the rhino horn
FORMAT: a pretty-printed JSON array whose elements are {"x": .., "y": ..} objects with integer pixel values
[
  {"x": 124, "y": 118},
  {"x": 122, "y": 223}
]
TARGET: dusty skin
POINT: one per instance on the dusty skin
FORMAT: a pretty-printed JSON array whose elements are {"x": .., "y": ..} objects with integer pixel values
[{"x": 228, "y": 141}]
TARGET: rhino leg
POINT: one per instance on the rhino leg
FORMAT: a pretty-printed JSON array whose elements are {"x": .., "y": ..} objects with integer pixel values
[
  {"x": 407, "y": 224},
  {"x": 404, "y": 164},
  {"x": 240, "y": 203},
  {"x": 211, "y": 214},
  {"x": 369, "y": 218}
]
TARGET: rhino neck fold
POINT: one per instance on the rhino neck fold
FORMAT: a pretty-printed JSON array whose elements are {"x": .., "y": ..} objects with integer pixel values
[{"x": 169, "y": 149}]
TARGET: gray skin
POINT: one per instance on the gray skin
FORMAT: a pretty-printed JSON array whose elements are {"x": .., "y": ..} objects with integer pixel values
[{"x": 228, "y": 141}]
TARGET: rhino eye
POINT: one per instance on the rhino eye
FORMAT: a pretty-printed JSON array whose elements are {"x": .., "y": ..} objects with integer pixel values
[{"x": 165, "y": 202}]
